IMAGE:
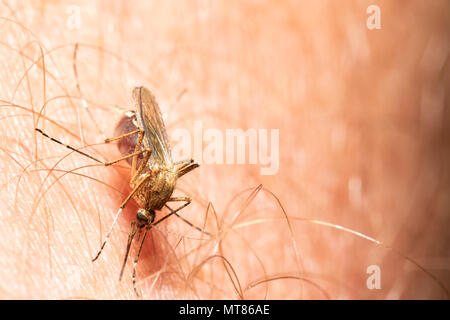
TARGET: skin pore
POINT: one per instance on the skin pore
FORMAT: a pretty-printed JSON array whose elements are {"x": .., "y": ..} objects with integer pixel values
[{"x": 363, "y": 144}]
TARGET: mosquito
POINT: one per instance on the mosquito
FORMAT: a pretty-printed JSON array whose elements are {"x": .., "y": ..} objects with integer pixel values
[{"x": 143, "y": 142}]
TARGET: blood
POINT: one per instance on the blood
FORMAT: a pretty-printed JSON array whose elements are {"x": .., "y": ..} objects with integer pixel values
[{"x": 127, "y": 145}]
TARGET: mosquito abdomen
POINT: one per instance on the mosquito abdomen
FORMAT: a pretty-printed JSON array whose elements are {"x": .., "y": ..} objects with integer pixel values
[{"x": 127, "y": 145}]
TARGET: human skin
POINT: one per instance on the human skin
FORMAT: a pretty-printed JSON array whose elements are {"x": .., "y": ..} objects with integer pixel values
[{"x": 363, "y": 144}]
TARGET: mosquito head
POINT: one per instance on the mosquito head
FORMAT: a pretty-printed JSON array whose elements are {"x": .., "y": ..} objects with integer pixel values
[{"x": 145, "y": 217}]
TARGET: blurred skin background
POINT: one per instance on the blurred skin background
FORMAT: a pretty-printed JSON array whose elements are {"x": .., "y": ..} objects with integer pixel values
[{"x": 363, "y": 144}]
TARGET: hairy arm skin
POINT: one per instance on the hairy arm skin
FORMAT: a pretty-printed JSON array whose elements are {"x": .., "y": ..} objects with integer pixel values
[{"x": 363, "y": 144}]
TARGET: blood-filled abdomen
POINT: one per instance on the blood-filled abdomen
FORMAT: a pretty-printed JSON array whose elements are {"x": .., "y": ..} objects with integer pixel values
[{"x": 127, "y": 145}]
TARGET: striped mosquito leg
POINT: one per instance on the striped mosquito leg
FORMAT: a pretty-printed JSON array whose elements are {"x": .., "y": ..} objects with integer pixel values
[
  {"x": 109, "y": 234},
  {"x": 108, "y": 163},
  {"x": 124, "y": 203},
  {"x": 188, "y": 201},
  {"x": 137, "y": 259},
  {"x": 67, "y": 146},
  {"x": 134, "y": 154},
  {"x": 130, "y": 240}
]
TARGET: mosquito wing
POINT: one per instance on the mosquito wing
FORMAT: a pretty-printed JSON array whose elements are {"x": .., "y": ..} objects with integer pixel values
[{"x": 149, "y": 118}]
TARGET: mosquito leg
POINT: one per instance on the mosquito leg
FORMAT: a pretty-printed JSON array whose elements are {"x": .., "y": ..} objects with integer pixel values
[
  {"x": 124, "y": 203},
  {"x": 130, "y": 240},
  {"x": 137, "y": 259},
  {"x": 67, "y": 146},
  {"x": 188, "y": 201},
  {"x": 135, "y": 175},
  {"x": 134, "y": 154},
  {"x": 140, "y": 131},
  {"x": 138, "y": 147}
]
